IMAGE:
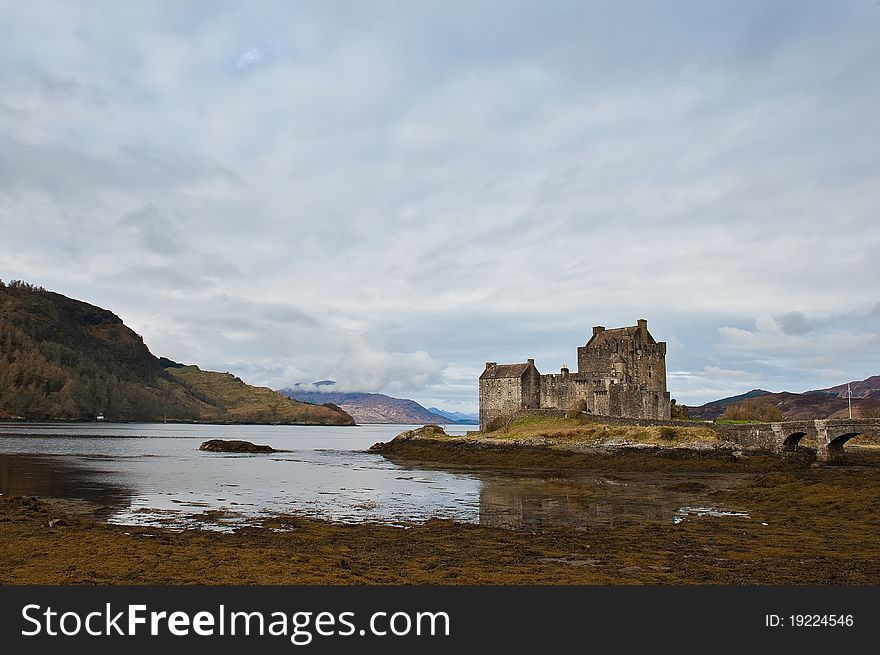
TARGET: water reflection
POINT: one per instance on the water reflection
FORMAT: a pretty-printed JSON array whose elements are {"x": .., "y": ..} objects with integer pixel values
[
  {"x": 52, "y": 477},
  {"x": 594, "y": 500},
  {"x": 155, "y": 475}
]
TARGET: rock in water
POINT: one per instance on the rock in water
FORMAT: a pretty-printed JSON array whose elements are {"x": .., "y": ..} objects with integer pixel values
[{"x": 234, "y": 446}]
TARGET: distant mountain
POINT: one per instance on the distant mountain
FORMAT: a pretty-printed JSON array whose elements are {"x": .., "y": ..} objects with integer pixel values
[
  {"x": 61, "y": 358},
  {"x": 457, "y": 417},
  {"x": 819, "y": 403},
  {"x": 367, "y": 407},
  {"x": 867, "y": 388}
]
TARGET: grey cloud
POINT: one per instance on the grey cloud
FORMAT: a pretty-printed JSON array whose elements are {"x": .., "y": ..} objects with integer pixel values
[
  {"x": 155, "y": 230},
  {"x": 396, "y": 193},
  {"x": 167, "y": 277},
  {"x": 66, "y": 172},
  {"x": 54, "y": 89},
  {"x": 795, "y": 323}
]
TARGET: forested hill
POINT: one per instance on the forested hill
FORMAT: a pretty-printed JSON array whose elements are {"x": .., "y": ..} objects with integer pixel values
[{"x": 65, "y": 359}]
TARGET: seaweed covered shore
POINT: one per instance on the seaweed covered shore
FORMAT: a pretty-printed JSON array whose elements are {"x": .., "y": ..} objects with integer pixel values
[
  {"x": 569, "y": 444},
  {"x": 535, "y": 442},
  {"x": 804, "y": 524}
]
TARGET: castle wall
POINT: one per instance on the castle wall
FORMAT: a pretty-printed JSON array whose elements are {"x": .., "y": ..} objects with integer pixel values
[
  {"x": 561, "y": 391},
  {"x": 648, "y": 366},
  {"x": 531, "y": 389},
  {"x": 626, "y": 361},
  {"x": 635, "y": 402},
  {"x": 498, "y": 397}
]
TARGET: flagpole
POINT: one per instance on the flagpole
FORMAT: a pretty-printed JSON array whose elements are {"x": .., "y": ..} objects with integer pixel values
[{"x": 849, "y": 397}]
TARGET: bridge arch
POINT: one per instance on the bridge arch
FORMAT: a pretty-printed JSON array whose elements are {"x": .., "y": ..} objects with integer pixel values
[
  {"x": 792, "y": 440},
  {"x": 835, "y": 445}
]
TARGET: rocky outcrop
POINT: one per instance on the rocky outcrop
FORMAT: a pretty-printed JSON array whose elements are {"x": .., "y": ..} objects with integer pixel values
[
  {"x": 234, "y": 446},
  {"x": 429, "y": 431}
]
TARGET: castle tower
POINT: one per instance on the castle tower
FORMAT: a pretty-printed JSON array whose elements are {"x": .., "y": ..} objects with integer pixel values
[{"x": 506, "y": 389}]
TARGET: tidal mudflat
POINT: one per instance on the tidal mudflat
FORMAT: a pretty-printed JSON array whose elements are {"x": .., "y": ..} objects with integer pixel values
[{"x": 778, "y": 521}]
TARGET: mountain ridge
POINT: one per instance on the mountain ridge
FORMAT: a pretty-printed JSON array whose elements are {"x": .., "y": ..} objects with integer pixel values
[
  {"x": 814, "y": 404},
  {"x": 368, "y": 407},
  {"x": 65, "y": 359},
  {"x": 458, "y": 417}
]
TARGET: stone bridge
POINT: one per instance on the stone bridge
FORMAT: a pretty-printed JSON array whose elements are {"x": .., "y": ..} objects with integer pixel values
[{"x": 830, "y": 434}]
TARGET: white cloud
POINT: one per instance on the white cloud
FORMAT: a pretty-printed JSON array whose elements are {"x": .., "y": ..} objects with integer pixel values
[
  {"x": 715, "y": 372},
  {"x": 831, "y": 349},
  {"x": 390, "y": 195}
]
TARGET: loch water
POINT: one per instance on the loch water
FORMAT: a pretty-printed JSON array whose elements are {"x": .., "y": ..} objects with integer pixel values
[{"x": 154, "y": 474}]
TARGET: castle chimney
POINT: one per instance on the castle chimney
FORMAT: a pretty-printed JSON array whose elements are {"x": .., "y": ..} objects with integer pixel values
[
  {"x": 643, "y": 329},
  {"x": 531, "y": 362},
  {"x": 491, "y": 364},
  {"x": 597, "y": 329},
  {"x": 564, "y": 370}
]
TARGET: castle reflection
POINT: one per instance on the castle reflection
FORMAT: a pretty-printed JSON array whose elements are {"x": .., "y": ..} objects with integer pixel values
[{"x": 592, "y": 500}]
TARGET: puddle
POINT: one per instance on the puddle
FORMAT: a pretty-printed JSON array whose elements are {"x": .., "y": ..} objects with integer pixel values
[{"x": 685, "y": 512}]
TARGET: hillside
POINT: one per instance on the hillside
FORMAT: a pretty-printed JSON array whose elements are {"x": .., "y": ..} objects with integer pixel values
[
  {"x": 242, "y": 403},
  {"x": 867, "y": 388},
  {"x": 820, "y": 403},
  {"x": 61, "y": 358},
  {"x": 370, "y": 407},
  {"x": 711, "y": 411}
]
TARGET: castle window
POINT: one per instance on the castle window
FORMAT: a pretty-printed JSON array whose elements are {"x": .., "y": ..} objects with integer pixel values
[{"x": 650, "y": 371}]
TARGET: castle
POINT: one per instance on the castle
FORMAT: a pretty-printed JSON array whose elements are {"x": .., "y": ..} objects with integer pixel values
[{"x": 621, "y": 372}]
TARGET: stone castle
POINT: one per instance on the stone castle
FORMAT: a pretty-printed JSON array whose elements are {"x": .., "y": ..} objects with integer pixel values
[{"x": 620, "y": 372}]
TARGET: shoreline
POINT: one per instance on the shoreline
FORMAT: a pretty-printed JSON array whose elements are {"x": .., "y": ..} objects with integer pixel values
[
  {"x": 804, "y": 526},
  {"x": 799, "y": 524},
  {"x": 65, "y": 421},
  {"x": 564, "y": 450},
  {"x": 595, "y": 445}
]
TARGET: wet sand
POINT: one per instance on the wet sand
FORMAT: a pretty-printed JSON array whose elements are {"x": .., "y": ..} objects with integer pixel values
[{"x": 805, "y": 525}]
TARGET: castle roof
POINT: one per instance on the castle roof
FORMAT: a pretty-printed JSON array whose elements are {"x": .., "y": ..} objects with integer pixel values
[
  {"x": 631, "y": 331},
  {"x": 505, "y": 371}
]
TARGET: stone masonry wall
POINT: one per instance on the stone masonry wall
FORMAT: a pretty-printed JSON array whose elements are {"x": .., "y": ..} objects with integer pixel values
[
  {"x": 634, "y": 401},
  {"x": 531, "y": 388},
  {"x": 499, "y": 397},
  {"x": 642, "y": 363},
  {"x": 563, "y": 391}
]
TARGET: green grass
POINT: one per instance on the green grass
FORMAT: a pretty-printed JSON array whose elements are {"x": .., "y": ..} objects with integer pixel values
[{"x": 579, "y": 431}]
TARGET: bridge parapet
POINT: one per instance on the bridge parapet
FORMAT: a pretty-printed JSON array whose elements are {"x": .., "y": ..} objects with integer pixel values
[
  {"x": 782, "y": 436},
  {"x": 871, "y": 424},
  {"x": 832, "y": 434}
]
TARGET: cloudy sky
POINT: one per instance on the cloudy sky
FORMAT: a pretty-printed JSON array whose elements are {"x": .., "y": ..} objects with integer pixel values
[{"x": 389, "y": 194}]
